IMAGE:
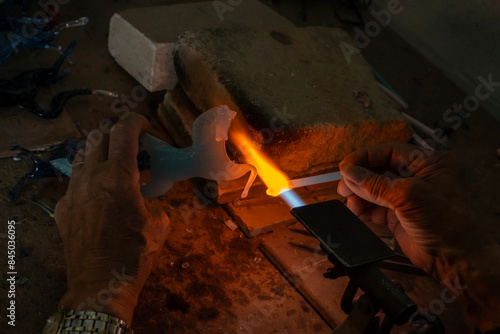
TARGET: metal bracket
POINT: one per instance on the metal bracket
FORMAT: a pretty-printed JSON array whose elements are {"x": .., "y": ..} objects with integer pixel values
[{"x": 353, "y": 248}]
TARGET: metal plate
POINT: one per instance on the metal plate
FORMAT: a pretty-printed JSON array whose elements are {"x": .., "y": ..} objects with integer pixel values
[{"x": 342, "y": 234}]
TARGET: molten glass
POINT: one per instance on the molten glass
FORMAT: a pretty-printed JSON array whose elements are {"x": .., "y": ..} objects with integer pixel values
[{"x": 275, "y": 180}]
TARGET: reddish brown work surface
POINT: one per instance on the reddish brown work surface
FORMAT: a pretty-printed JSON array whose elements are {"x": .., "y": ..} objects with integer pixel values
[{"x": 210, "y": 279}]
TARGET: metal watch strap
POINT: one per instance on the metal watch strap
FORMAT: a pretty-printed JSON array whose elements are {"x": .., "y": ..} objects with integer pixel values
[{"x": 83, "y": 322}]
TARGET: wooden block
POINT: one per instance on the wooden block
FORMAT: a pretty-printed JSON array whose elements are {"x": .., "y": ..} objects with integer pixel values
[
  {"x": 177, "y": 115},
  {"x": 174, "y": 130},
  {"x": 181, "y": 109},
  {"x": 260, "y": 215}
]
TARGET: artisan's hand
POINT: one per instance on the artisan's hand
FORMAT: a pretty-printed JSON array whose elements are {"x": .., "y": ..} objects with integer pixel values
[
  {"x": 418, "y": 206},
  {"x": 420, "y": 195},
  {"x": 110, "y": 237}
]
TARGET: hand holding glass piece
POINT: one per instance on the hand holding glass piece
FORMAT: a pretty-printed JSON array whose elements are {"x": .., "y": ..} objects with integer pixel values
[{"x": 206, "y": 158}]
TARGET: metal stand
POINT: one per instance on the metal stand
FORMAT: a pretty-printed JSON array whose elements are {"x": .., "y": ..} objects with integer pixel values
[{"x": 353, "y": 249}]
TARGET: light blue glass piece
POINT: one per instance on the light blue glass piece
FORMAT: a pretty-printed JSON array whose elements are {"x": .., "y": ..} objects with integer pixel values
[{"x": 206, "y": 158}]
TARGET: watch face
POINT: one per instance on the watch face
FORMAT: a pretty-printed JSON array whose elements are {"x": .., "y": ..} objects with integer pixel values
[{"x": 53, "y": 323}]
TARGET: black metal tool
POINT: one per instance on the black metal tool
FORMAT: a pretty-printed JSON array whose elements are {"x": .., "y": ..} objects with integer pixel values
[
  {"x": 23, "y": 86},
  {"x": 21, "y": 90},
  {"x": 353, "y": 249},
  {"x": 58, "y": 165},
  {"x": 42, "y": 168},
  {"x": 44, "y": 30}
]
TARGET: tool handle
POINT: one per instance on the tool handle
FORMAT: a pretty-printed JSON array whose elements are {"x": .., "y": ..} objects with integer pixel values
[{"x": 383, "y": 292}]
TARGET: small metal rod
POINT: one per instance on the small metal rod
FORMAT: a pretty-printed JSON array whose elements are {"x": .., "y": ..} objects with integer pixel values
[
  {"x": 43, "y": 206},
  {"x": 104, "y": 92},
  {"x": 317, "y": 179},
  {"x": 392, "y": 94},
  {"x": 419, "y": 125},
  {"x": 421, "y": 142},
  {"x": 71, "y": 24},
  {"x": 307, "y": 181}
]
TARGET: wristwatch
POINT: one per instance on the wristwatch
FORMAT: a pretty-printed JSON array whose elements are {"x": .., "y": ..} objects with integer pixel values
[{"x": 66, "y": 321}]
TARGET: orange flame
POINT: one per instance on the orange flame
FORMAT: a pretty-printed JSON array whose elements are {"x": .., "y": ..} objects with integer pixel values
[{"x": 275, "y": 180}]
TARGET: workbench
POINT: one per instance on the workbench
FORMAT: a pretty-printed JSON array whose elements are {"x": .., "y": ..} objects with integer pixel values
[{"x": 209, "y": 278}]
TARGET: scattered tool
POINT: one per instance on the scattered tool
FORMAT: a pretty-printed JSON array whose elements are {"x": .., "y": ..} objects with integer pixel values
[
  {"x": 42, "y": 205},
  {"x": 419, "y": 125},
  {"x": 13, "y": 36},
  {"x": 41, "y": 168},
  {"x": 21, "y": 90},
  {"x": 59, "y": 165},
  {"x": 59, "y": 101},
  {"x": 388, "y": 89}
]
